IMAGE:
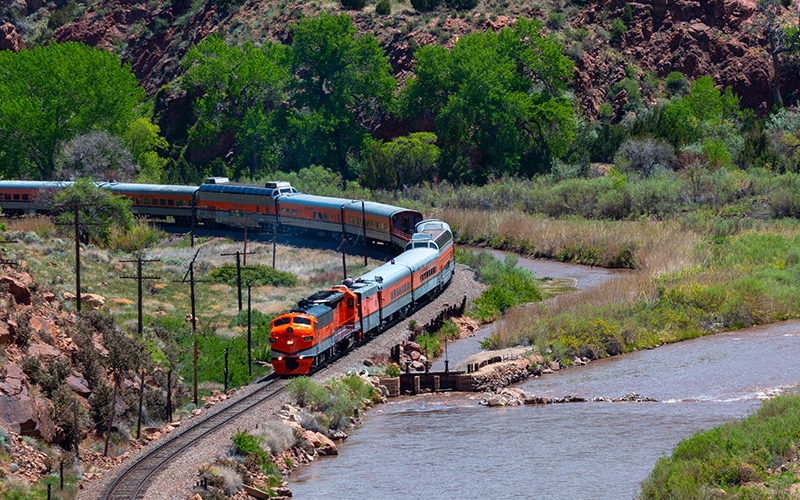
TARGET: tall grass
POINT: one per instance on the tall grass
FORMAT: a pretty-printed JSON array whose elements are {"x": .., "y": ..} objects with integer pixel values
[
  {"x": 733, "y": 283},
  {"x": 731, "y": 456},
  {"x": 614, "y": 244}
]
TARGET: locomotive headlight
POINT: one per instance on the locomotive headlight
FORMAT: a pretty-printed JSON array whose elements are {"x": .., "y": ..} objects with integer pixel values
[
  {"x": 289, "y": 330},
  {"x": 280, "y": 358},
  {"x": 289, "y": 342}
]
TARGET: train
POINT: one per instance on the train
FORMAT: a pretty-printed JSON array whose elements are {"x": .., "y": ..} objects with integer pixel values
[
  {"x": 329, "y": 322},
  {"x": 275, "y": 206},
  {"x": 332, "y": 321}
]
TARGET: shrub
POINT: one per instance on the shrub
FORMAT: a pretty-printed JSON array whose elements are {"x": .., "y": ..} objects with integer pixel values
[
  {"x": 354, "y": 4},
  {"x": 258, "y": 275},
  {"x": 393, "y": 370},
  {"x": 383, "y": 8},
  {"x": 424, "y": 5},
  {"x": 618, "y": 29},
  {"x": 227, "y": 478},
  {"x": 676, "y": 82},
  {"x": 307, "y": 393},
  {"x": 99, "y": 406},
  {"x": 556, "y": 20},
  {"x": 461, "y": 4},
  {"x": 276, "y": 435},
  {"x": 139, "y": 236},
  {"x": 645, "y": 157}
]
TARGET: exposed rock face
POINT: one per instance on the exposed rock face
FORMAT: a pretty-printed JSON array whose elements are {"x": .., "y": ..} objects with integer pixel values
[
  {"x": 17, "y": 289},
  {"x": 22, "y": 412},
  {"x": 496, "y": 376},
  {"x": 10, "y": 39}
]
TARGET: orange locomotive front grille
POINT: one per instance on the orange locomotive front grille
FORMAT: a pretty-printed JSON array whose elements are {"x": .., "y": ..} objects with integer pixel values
[{"x": 292, "y": 335}]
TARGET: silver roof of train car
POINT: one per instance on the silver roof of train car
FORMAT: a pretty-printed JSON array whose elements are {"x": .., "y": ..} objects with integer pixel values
[
  {"x": 35, "y": 184},
  {"x": 129, "y": 187},
  {"x": 392, "y": 272}
]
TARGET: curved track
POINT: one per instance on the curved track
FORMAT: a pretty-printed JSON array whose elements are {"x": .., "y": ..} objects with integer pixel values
[{"x": 132, "y": 482}]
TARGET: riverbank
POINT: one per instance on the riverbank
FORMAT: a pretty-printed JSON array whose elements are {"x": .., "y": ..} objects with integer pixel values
[
  {"x": 698, "y": 383},
  {"x": 756, "y": 457}
]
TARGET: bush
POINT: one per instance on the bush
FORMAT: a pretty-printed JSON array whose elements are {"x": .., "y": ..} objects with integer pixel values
[
  {"x": 141, "y": 235},
  {"x": 276, "y": 435},
  {"x": 307, "y": 393},
  {"x": 227, "y": 478},
  {"x": 393, "y": 370},
  {"x": 354, "y": 4},
  {"x": 556, "y": 20},
  {"x": 424, "y": 5},
  {"x": 258, "y": 275},
  {"x": 618, "y": 29},
  {"x": 676, "y": 82},
  {"x": 645, "y": 157},
  {"x": 461, "y": 4},
  {"x": 730, "y": 455},
  {"x": 383, "y": 7}
]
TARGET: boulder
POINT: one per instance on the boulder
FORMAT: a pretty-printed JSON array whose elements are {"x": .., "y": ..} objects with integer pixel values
[
  {"x": 93, "y": 301},
  {"x": 44, "y": 326},
  {"x": 322, "y": 443},
  {"x": 415, "y": 355},
  {"x": 5, "y": 333},
  {"x": 23, "y": 413},
  {"x": 10, "y": 39},
  {"x": 17, "y": 289},
  {"x": 418, "y": 366},
  {"x": 78, "y": 385},
  {"x": 44, "y": 351}
]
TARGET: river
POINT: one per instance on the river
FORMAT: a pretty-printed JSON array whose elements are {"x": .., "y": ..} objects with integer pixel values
[{"x": 447, "y": 446}]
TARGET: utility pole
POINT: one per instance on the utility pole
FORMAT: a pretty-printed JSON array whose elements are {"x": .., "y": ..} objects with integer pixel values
[
  {"x": 140, "y": 278},
  {"x": 239, "y": 268},
  {"x": 364, "y": 229},
  {"x": 169, "y": 395},
  {"x": 225, "y": 373},
  {"x": 192, "y": 281},
  {"x": 244, "y": 251},
  {"x": 141, "y": 398},
  {"x": 249, "y": 344},
  {"x": 76, "y": 223}
]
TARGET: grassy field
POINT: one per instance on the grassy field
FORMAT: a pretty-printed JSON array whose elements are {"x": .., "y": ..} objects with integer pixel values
[
  {"x": 49, "y": 257},
  {"x": 740, "y": 459}
]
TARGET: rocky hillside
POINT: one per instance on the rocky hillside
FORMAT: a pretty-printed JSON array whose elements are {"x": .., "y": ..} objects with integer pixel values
[{"x": 717, "y": 37}]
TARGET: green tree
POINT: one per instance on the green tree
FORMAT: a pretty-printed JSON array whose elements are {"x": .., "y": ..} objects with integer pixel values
[
  {"x": 344, "y": 83},
  {"x": 98, "y": 206},
  {"x": 50, "y": 94},
  {"x": 143, "y": 140},
  {"x": 239, "y": 92},
  {"x": 783, "y": 37},
  {"x": 498, "y": 100}
]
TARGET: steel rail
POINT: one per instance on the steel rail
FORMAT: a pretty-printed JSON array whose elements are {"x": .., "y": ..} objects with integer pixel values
[{"x": 131, "y": 482}]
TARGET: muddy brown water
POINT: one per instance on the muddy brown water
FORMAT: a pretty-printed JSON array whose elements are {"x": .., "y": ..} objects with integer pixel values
[{"x": 447, "y": 446}]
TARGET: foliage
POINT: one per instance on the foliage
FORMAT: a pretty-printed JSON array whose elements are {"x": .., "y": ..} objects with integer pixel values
[
  {"x": 404, "y": 161},
  {"x": 508, "y": 285},
  {"x": 354, "y": 4},
  {"x": 50, "y": 94},
  {"x": 344, "y": 81},
  {"x": 307, "y": 393},
  {"x": 239, "y": 92},
  {"x": 383, "y": 8},
  {"x": 96, "y": 154},
  {"x": 731, "y": 455},
  {"x": 98, "y": 206},
  {"x": 645, "y": 157},
  {"x": 255, "y": 275},
  {"x": 509, "y": 87},
  {"x": 424, "y": 5}
]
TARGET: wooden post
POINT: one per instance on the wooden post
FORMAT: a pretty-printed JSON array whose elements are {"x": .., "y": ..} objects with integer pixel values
[
  {"x": 249, "y": 344},
  {"x": 141, "y": 399},
  {"x": 61, "y": 475},
  {"x": 139, "y": 279},
  {"x": 225, "y": 375},
  {"x": 364, "y": 229},
  {"x": 195, "y": 370},
  {"x": 77, "y": 261},
  {"x": 169, "y": 395},
  {"x": 111, "y": 414}
]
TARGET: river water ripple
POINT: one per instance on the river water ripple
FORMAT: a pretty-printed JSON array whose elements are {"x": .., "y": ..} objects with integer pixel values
[{"x": 446, "y": 446}]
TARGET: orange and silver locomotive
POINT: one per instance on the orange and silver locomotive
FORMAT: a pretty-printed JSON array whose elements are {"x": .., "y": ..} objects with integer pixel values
[{"x": 331, "y": 321}]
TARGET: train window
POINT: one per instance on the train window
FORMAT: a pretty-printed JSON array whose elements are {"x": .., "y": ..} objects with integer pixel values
[
  {"x": 301, "y": 321},
  {"x": 16, "y": 196},
  {"x": 146, "y": 201},
  {"x": 162, "y": 201},
  {"x": 7, "y": 196},
  {"x": 171, "y": 203},
  {"x": 326, "y": 216},
  {"x": 25, "y": 196},
  {"x": 282, "y": 321}
]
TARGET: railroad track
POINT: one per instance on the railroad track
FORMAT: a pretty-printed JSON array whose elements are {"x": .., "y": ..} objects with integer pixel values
[{"x": 133, "y": 481}]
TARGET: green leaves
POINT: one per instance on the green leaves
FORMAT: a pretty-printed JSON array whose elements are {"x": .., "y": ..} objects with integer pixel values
[
  {"x": 50, "y": 94},
  {"x": 100, "y": 207},
  {"x": 498, "y": 100}
]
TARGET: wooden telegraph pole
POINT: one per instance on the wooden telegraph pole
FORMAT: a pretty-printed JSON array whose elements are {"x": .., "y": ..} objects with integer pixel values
[
  {"x": 78, "y": 225},
  {"x": 140, "y": 278},
  {"x": 239, "y": 268},
  {"x": 192, "y": 281}
]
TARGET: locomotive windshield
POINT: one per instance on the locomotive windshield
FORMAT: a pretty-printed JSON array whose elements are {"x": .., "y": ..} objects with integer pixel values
[
  {"x": 302, "y": 321},
  {"x": 282, "y": 321}
]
